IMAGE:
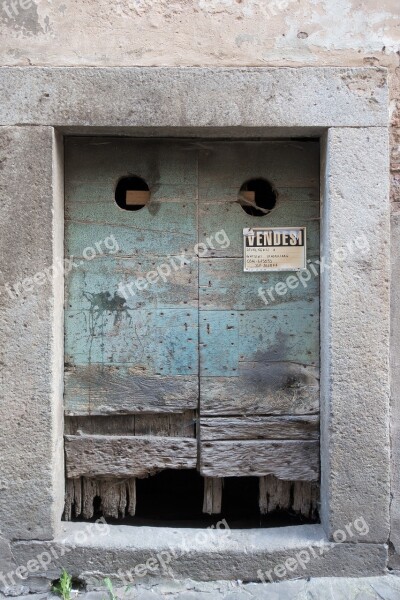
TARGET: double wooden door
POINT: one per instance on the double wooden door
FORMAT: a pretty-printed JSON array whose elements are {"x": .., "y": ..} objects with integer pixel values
[{"x": 176, "y": 357}]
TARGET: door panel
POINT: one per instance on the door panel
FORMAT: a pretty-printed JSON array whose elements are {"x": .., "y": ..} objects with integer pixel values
[
  {"x": 199, "y": 345},
  {"x": 131, "y": 349},
  {"x": 257, "y": 358}
]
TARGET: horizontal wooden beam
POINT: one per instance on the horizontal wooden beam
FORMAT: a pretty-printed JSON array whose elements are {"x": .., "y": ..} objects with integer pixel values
[
  {"x": 127, "y": 456},
  {"x": 262, "y": 388},
  {"x": 99, "y": 390},
  {"x": 260, "y": 428},
  {"x": 290, "y": 460}
]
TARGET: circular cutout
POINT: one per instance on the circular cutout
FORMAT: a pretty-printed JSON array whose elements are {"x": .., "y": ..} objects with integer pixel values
[
  {"x": 132, "y": 193},
  {"x": 257, "y": 197}
]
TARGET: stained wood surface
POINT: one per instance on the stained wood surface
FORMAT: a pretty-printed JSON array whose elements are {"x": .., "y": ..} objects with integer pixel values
[
  {"x": 274, "y": 494},
  {"x": 174, "y": 425},
  {"x": 290, "y": 460},
  {"x": 127, "y": 456},
  {"x": 212, "y": 503},
  {"x": 126, "y": 276},
  {"x": 100, "y": 390},
  {"x": 224, "y": 286},
  {"x": 262, "y": 389},
  {"x": 260, "y": 428},
  {"x": 154, "y": 342}
]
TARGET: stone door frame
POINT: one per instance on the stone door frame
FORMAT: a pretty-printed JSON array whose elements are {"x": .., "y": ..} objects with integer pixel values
[{"x": 347, "y": 108}]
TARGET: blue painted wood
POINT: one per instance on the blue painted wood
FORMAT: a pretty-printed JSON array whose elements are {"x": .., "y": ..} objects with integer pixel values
[
  {"x": 224, "y": 286},
  {"x": 231, "y": 218},
  {"x": 131, "y": 337},
  {"x": 251, "y": 355},
  {"x": 219, "y": 343}
]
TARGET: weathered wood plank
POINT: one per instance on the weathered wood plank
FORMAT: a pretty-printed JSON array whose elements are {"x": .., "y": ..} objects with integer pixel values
[
  {"x": 225, "y": 166},
  {"x": 99, "y": 390},
  {"x": 113, "y": 494},
  {"x": 298, "y": 496},
  {"x": 143, "y": 281},
  {"x": 290, "y": 460},
  {"x": 92, "y": 169},
  {"x": 224, "y": 286},
  {"x": 231, "y": 218},
  {"x": 274, "y": 494},
  {"x": 181, "y": 425},
  {"x": 158, "y": 229},
  {"x": 260, "y": 428},
  {"x": 228, "y": 338},
  {"x": 102, "y": 425},
  {"x": 117, "y": 496},
  {"x": 262, "y": 389},
  {"x": 127, "y": 456},
  {"x": 155, "y": 342},
  {"x": 131, "y": 491},
  {"x": 306, "y": 497},
  {"x": 175, "y": 425},
  {"x": 212, "y": 503}
]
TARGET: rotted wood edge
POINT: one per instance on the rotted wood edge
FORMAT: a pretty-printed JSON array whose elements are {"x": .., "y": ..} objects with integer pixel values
[
  {"x": 290, "y": 460},
  {"x": 260, "y": 428},
  {"x": 127, "y": 456}
]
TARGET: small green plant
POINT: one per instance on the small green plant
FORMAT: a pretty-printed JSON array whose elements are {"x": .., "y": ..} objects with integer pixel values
[
  {"x": 63, "y": 587},
  {"x": 110, "y": 588}
]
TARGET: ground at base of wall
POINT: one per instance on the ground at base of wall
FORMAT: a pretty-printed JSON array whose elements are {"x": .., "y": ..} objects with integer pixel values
[{"x": 328, "y": 588}]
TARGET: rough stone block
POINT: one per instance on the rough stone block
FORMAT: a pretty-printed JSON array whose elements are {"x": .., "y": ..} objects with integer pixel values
[
  {"x": 355, "y": 332},
  {"x": 194, "y": 97},
  {"x": 31, "y": 467}
]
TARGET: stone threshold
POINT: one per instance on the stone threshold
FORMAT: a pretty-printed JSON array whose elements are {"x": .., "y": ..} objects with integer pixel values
[{"x": 92, "y": 551}]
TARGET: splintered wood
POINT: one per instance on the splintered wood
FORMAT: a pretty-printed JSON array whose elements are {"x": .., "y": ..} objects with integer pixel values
[
  {"x": 117, "y": 497},
  {"x": 298, "y": 496},
  {"x": 212, "y": 504}
]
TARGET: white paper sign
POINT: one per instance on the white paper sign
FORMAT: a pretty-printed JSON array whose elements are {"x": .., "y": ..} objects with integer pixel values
[{"x": 274, "y": 248}]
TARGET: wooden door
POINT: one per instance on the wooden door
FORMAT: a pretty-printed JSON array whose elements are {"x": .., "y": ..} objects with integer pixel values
[
  {"x": 131, "y": 349},
  {"x": 189, "y": 369},
  {"x": 259, "y": 362}
]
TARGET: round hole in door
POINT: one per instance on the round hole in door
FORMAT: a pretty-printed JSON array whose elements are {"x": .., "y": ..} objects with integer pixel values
[
  {"x": 257, "y": 197},
  {"x": 132, "y": 193}
]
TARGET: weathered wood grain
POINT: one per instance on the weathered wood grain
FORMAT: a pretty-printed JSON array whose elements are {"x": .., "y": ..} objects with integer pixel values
[
  {"x": 98, "y": 390},
  {"x": 73, "y": 498},
  {"x": 275, "y": 388},
  {"x": 306, "y": 498},
  {"x": 231, "y": 218},
  {"x": 228, "y": 338},
  {"x": 274, "y": 494},
  {"x": 260, "y": 428},
  {"x": 127, "y": 456},
  {"x": 298, "y": 496},
  {"x": 290, "y": 460},
  {"x": 137, "y": 282},
  {"x": 226, "y": 165},
  {"x": 92, "y": 169},
  {"x": 212, "y": 503},
  {"x": 224, "y": 286},
  {"x": 117, "y": 496},
  {"x": 159, "y": 229},
  {"x": 154, "y": 342},
  {"x": 174, "y": 425}
]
